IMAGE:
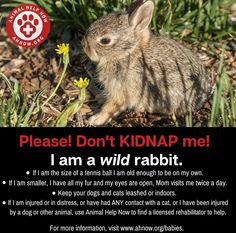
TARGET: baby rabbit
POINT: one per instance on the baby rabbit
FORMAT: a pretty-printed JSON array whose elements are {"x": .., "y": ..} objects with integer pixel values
[{"x": 141, "y": 71}]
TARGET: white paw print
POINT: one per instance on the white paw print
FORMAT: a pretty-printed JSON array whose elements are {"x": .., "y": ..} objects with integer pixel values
[{"x": 28, "y": 25}]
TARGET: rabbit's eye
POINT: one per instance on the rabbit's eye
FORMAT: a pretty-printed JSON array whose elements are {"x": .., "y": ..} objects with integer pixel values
[{"x": 105, "y": 41}]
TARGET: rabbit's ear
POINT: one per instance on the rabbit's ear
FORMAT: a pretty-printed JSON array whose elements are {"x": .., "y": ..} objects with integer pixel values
[{"x": 141, "y": 16}]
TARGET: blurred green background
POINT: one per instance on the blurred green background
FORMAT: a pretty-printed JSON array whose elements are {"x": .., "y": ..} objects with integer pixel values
[{"x": 190, "y": 20}]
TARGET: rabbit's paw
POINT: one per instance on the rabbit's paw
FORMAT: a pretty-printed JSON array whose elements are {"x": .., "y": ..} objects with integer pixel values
[{"x": 98, "y": 119}]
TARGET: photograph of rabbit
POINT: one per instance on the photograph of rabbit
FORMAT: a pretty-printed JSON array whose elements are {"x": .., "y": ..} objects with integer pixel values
[{"x": 124, "y": 63}]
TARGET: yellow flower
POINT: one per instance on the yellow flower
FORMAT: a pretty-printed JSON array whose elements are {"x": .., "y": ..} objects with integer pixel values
[
  {"x": 63, "y": 49},
  {"x": 82, "y": 83}
]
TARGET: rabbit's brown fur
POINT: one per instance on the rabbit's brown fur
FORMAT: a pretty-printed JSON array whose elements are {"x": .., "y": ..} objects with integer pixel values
[{"x": 141, "y": 71}]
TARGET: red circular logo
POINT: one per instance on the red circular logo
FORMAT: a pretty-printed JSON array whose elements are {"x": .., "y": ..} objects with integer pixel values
[{"x": 28, "y": 25}]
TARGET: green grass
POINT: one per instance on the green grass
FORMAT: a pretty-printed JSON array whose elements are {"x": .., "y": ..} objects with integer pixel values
[
  {"x": 16, "y": 111},
  {"x": 223, "y": 111},
  {"x": 224, "y": 101}
]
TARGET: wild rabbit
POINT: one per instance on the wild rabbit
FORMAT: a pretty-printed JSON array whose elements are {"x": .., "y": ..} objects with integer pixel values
[{"x": 142, "y": 71}]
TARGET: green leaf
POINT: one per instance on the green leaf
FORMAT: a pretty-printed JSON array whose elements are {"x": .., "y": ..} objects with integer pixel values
[
  {"x": 31, "y": 109},
  {"x": 70, "y": 111}
]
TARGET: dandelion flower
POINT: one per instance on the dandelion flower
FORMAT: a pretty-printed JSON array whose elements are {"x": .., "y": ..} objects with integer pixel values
[
  {"x": 82, "y": 83},
  {"x": 63, "y": 49}
]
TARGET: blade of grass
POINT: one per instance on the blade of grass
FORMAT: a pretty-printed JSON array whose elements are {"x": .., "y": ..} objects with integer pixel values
[
  {"x": 218, "y": 92},
  {"x": 45, "y": 6},
  {"x": 4, "y": 77},
  {"x": 31, "y": 109},
  {"x": 223, "y": 111},
  {"x": 2, "y": 110},
  {"x": 22, "y": 111},
  {"x": 189, "y": 120}
]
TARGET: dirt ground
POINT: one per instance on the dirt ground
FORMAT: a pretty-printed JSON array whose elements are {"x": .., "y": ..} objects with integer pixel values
[{"x": 39, "y": 68}]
